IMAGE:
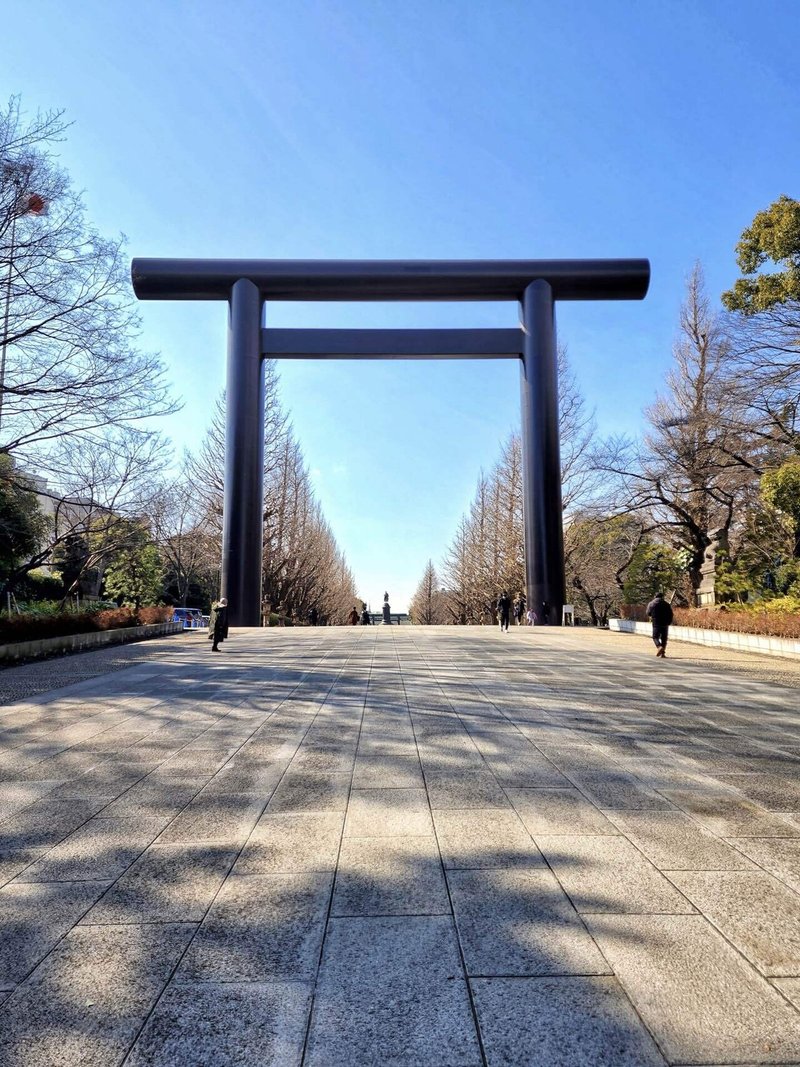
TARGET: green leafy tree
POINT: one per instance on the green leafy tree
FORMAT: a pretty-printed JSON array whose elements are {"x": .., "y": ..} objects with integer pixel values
[
  {"x": 653, "y": 568},
  {"x": 136, "y": 573},
  {"x": 22, "y": 522},
  {"x": 781, "y": 490},
  {"x": 773, "y": 237}
]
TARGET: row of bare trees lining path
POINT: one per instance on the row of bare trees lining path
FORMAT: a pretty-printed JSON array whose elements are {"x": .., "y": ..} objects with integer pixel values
[
  {"x": 87, "y": 480},
  {"x": 718, "y": 464}
]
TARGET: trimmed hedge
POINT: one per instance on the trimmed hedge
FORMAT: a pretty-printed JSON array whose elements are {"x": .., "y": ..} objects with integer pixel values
[
  {"x": 753, "y": 621},
  {"x": 32, "y": 627}
]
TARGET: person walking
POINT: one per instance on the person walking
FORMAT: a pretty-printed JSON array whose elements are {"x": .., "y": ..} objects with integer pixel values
[
  {"x": 519, "y": 609},
  {"x": 353, "y": 617},
  {"x": 365, "y": 617},
  {"x": 218, "y": 623},
  {"x": 504, "y": 610},
  {"x": 660, "y": 614}
]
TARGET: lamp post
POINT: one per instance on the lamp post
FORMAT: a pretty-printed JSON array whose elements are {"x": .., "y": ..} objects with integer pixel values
[{"x": 24, "y": 203}]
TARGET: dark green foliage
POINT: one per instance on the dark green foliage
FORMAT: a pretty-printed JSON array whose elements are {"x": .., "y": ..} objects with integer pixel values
[
  {"x": 39, "y": 586},
  {"x": 22, "y": 523},
  {"x": 653, "y": 568},
  {"x": 135, "y": 572},
  {"x": 773, "y": 237}
]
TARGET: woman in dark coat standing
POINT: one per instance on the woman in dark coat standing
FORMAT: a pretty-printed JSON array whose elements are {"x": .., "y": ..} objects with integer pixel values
[{"x": 218, "y": 623}]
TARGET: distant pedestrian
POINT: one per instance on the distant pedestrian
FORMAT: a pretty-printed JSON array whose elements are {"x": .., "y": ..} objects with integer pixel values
[
  {"x": 504, "y": 610},
  {"x": 218, "y": 623},
  {"x": 313, "y": 617},
  {"x": 353, "y": 617},
  {"x": 531, "y": 617},
  {"x": 519, "y": 609},
  {"x": 365, "y": 618},
  {"x": 660, "y": 614}
]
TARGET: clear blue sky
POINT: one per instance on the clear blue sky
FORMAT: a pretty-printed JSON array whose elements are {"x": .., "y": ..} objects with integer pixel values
[{"x": 420, "y": 128}]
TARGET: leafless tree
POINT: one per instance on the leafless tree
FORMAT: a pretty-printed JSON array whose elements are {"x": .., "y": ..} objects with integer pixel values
[
  {"x": 688, "y": 476},
  {"x": 95, "y": 496},
  {"x": 70, "y": 365},
  {"x": 428, "y": 605},
  {"x": 188, "y": 546},
  {"x": 303, "y": 567}
]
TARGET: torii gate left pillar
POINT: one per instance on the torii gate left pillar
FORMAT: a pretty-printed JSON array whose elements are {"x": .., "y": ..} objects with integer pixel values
[
  {"x": 243, "y": 506},
  {"x": 535, "y": 284}
]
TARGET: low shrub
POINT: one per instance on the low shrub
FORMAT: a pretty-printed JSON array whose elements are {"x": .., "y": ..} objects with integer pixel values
[
  {"x": 155, "y": 613},
  {"x": 34, "y": 626},
  {"x": 768, "y": 618}
]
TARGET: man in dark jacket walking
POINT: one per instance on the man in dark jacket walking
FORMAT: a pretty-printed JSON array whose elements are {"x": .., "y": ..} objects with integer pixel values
[
  {"x": 218, "y": 623},
  {"x": 660, "y": 614},
  {"x": 504, "y": 610}
]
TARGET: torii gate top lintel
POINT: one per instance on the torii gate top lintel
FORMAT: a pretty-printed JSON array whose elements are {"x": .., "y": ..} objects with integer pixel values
[{"x": 387, "y": 279}]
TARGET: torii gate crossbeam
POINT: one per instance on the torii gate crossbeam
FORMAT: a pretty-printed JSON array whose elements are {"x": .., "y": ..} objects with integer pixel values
[{"x": 248, "y": 284}]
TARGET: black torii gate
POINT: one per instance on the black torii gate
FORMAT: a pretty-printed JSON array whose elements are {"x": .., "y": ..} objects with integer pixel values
[{"x": 248, "y": 283}]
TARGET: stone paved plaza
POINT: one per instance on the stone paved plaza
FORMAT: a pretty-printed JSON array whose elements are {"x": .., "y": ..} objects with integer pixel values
[{"x": 401, "y": 846}]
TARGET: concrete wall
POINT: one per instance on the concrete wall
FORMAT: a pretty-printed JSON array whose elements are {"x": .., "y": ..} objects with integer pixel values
[
  {"x": 766, "y": 646},
  {"x": 81, "y": 642}
]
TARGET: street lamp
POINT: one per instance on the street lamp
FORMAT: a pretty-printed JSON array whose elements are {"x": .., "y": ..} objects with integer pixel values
[{"x": 24, "y": 203}]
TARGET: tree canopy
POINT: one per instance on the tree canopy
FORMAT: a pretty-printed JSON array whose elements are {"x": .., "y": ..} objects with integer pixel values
[{"x": 772, "y": 237}]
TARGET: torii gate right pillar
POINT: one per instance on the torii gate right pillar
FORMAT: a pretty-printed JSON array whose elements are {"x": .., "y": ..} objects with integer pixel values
[{"x": 541, "y": 460}]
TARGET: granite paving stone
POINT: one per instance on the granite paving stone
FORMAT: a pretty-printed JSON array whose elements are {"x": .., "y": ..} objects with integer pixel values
[
  {"x": 222, "y": 817},
  {"x": 85, "y": 1003},
  {"x": 196, "y": 761},
  {"x": 559, "y": 811},
  {"x": 728, "y": 814},
  {"x": 753, "y": 910},
  {"x": 388, "y": 813},
  {"x": 780, "y": 857},
  {"x": 790, "y": 987},
  {"x": 619, "y": 791},
  {"x": 701, "y": 1001},
  {"x": 392, "y": 991},
  {"x": 473, "y": 788},
  {"x": 107, "y": 780},
  {"x": 561, "y": 1022},
  {"x": 301, "y": 790},
  {"x": 484, "y": 838},
  {"x": 47, "y": 822},
  {"x": 16, "y": 860},
  {"x": 17, "y": 795},
  {"x": 261, "y": 927},
  {"x": 526, "y": 767},
  {"x": 99, "y": 851},
  {"x": 168, "y": 883},
  {"x": 291, "y": 843},
  {"x": 153, "y": 798},
  {"x": 775, "y": 792},
  {"x": 34, "y": 917},
  {"x": 387, "y": 772},
  {"x": 258, "y": 779},
  {"x": 518, "y": 922},
  {"x": 324, "y": 759},
  {"x": 674, "y": 842},
  {"x": 226, "y": 1025},
  {"x": 609, "y": 874},
  {"x": 390, "y": 876}
]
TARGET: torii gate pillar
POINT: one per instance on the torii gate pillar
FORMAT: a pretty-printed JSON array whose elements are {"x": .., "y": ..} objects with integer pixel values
[
  {"x": 541, "y": 460},
  {"x": 243, "y": 507}
]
